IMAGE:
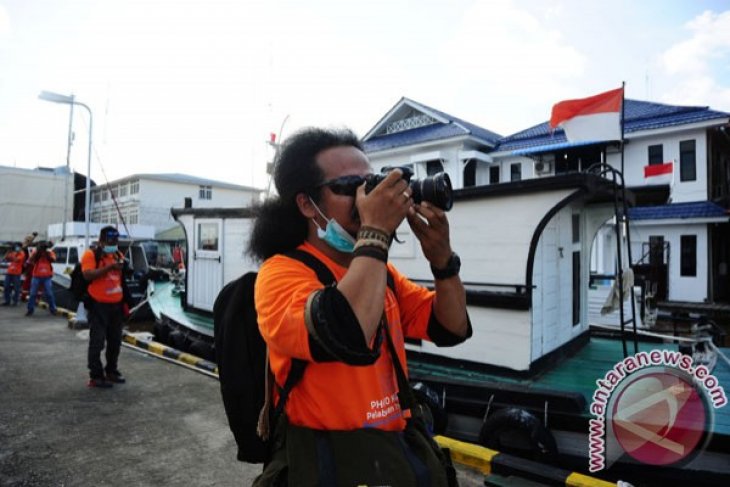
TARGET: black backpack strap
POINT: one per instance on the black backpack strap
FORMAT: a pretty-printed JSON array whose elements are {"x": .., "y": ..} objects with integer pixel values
[
  {"x": 326, "y": 277},
  {"x": 296, "y": 371}
]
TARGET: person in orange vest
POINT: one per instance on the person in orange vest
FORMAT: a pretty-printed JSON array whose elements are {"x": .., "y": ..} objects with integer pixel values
[
  {"x": 103, "y": 269},
  {"x": 41, "y": 260},
  {"x": 16, "y": 258}
]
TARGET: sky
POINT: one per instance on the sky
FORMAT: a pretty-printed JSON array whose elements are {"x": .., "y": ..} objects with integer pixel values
[{"x": 197, "y": 86}]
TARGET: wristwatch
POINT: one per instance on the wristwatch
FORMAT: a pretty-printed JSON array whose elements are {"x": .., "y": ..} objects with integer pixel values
[{"x": 452, "y": 268}]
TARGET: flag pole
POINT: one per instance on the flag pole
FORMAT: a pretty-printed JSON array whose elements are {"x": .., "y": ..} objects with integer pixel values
[{"x": 623, "y": 102}]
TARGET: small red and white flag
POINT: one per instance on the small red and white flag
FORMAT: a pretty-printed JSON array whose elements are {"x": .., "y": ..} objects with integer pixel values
[
  {"x": 597, "y": 117},
  {"x": 659, "y": 173}
]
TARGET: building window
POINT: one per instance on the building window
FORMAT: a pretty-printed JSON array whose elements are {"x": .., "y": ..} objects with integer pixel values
[
  {"x": 133, "y": 217},
  {"x": 688, "y": 257},
  {"x": 123, "y": 189},
  {"x": 687, "y": 161},
  {"x": 104, "y": 195},
  {"x": 515, "y": 171},
  {"x": 114, "y": 190},
  {"x": 208, "y": 236},
  {"x": 205, "y": 192},
  {"x": 134, "y": 187},
  {"x": 470, "y": 173},
  {"x": 434, "y": 167},
  {"x": 493, "y": 174},
  {"x": 97, "y": 196},
  {"x": 656, "y": 154}
]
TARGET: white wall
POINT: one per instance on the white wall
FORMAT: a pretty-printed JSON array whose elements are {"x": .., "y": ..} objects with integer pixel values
[
  {"x": 156, "y": 197},
  {"x": 681, "y": 288},
  {"x": 30, "y": 200},
  {"x": 636, "y": 157}
]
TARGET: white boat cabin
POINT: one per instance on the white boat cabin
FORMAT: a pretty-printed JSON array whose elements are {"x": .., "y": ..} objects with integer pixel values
[
  {"x": 525, "y": 249},
  {"x": 216, "y": 242}
]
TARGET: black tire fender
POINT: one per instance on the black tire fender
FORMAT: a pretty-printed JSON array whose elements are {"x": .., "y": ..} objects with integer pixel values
[
  {"x": 541, "y": 443},
  {"x": 438, "y": 420}
]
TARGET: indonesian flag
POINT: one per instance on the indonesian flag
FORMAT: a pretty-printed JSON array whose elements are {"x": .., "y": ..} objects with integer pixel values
[
  {"x": 597, "y": 117},
  {"x": 659, "y": 173}
]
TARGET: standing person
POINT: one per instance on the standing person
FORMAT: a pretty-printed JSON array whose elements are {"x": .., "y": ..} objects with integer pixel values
[
  {"x": 349, "y": 382},
  {"x": 27, "y": 269},
  {"x": 41, "y": 261},
  {"x": 103, "y": 268},
  {"x": 16, "y": 258}
]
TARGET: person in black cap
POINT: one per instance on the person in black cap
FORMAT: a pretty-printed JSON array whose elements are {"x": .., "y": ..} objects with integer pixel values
[{"x": 103, "y": 268}]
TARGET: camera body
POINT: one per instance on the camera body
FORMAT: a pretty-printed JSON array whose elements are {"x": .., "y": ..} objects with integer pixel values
[
  {"x": 434, "y": 189},
  {"x": 44, "y": 245}
]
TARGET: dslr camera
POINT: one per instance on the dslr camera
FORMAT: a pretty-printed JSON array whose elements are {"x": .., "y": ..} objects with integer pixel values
[
  {"x": 44, "y": 245},
  {"x": 434, "y": 189}
]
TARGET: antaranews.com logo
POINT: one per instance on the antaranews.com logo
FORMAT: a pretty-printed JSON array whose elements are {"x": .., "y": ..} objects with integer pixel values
[{"x": 656, "y": 406}]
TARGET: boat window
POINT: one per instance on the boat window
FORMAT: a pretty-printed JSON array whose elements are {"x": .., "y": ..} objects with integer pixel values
[
  {"x": 61, "y": 254},
  {"x": 138, "y": 260},
  {"x": 208, "y": 236},
  {"x": 73, "y": 255}
]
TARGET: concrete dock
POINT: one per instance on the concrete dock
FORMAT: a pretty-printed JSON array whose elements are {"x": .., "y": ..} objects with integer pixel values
[{"x": 165, "y": 427}]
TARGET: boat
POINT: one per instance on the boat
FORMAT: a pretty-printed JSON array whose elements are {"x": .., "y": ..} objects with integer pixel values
[
  {"x": 528, "y": 380},
  {"x": 148, "y": 259}
]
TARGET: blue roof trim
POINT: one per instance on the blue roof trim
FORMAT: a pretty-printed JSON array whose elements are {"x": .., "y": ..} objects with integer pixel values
[
  {"x": 437, "y": 131},
  {"x": 695, "y": 209},
  {"x": 638, "y": 115},
  {"x": 414, "y": 136},
  {"x": 552, "y": 147}
]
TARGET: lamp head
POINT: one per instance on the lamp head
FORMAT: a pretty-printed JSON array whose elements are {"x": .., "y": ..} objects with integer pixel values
[{"x": 56, "y": 97}]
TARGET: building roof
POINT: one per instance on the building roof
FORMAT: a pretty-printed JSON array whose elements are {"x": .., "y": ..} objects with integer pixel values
[
  {"x": 183, "y": 179},
  {"x": 638, "y": 116},
  {"x": 445, "y": 126},
  {"x": 695, "y": 209}
]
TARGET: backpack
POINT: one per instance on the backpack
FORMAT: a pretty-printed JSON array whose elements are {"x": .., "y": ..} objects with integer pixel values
[
  {"x": 240, "y": 353},
  {"x": 79, "y": 284}
]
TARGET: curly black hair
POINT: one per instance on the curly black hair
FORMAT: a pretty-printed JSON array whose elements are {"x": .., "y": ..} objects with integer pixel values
[{"x": 279, "y": 226}]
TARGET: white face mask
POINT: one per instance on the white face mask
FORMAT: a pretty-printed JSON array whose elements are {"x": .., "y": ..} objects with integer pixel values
[{"x": 333, "y": 234}]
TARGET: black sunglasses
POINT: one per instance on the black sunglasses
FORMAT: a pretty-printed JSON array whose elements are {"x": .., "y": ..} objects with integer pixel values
[{"x": 344, "y": 185}]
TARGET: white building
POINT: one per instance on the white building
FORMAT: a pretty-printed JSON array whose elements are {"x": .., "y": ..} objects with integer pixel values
[
  {"x": 147, "y": 198},
  {"x": 685, "y": 216},
  {"x": 31, "y": 199}
]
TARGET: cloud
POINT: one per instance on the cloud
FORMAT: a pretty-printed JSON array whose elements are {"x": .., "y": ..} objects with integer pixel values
[
  {"x": 4, "y": 25},
  {"x": 505, "y": 59},
  {"x": 699, "y": 63}
]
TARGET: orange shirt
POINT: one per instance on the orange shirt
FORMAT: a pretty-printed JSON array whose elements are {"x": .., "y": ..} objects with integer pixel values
[
  {"x": 42, "y": 265},
  {"x": 107, "y": 288},
  {"x": 334, "y": 395},
  {"x": 16, "y": 259}
]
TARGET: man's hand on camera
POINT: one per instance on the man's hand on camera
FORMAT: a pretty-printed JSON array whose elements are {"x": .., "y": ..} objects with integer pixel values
[
  {"x": 387, "y": 204},
  {"x": 431, "y": 227}
]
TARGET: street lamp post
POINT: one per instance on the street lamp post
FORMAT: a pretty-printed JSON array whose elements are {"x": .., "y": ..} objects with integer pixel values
[{"x": 70, "y": 100}]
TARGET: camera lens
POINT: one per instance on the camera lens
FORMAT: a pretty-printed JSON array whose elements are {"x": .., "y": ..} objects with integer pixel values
[{"x": 434, "y": 189}]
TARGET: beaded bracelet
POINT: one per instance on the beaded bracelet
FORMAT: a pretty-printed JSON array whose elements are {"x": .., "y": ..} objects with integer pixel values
[
  {"x": 366, "y": 232},
  {"x": 371, "y": 242}
]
